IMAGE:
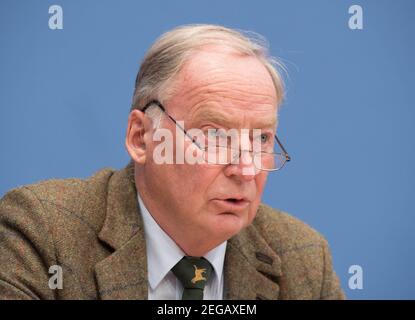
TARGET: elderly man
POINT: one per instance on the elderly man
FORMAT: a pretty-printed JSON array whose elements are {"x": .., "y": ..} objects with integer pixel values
[{"x": 189, "y": 228}]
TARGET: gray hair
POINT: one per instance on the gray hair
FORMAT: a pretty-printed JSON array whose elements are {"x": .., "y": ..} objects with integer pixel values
[{"x": 168, "y": 54}]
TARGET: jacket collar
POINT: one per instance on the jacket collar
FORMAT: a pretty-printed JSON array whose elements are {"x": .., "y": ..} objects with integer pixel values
[{"x": 251, "y": 270}]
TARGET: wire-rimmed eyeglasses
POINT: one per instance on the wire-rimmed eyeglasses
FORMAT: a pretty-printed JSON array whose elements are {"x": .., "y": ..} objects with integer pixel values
[{"x": 222, "y": 155}]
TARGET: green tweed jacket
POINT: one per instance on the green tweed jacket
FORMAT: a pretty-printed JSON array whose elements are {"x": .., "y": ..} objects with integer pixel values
[{"x": 93, "y": 230}]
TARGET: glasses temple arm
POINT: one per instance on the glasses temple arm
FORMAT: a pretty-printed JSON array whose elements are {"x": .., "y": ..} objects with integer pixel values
[{"x": 287, "y": 156}]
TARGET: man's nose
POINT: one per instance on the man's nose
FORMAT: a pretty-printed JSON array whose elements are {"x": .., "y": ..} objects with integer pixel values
[{"x": 242, "y": 167}]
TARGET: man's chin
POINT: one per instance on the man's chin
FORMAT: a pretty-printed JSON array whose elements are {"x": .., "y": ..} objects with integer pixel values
[{"x": 229, "y": 223}]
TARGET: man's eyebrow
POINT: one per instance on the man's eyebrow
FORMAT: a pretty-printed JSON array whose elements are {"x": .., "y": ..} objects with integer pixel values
[{"x": 215, "y": 116}]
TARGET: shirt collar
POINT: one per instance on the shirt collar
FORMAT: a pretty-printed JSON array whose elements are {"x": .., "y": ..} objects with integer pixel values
[{"x": 163, "y": 253}]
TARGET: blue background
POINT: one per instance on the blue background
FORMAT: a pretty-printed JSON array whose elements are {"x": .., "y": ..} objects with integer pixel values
[{"x": 348, "y": 120}]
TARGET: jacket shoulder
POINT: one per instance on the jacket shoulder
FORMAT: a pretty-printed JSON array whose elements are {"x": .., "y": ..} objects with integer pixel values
[
  {"x": 285, "y": 232},
  {"x": 54, "y": 200},
  {"x": 53, "y": 222}
]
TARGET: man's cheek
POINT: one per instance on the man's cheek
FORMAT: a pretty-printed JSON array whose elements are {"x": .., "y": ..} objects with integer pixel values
[
  {"x": 194, "y": 176},
  {"x": 252, "y": 212},
  {"x": 260, "y": 184}
]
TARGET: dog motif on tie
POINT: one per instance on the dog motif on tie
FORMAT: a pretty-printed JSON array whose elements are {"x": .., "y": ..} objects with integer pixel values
[{"x": 198, "y": 275}]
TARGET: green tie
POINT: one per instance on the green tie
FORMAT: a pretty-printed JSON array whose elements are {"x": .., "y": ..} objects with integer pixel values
[{"x": 193, "y": 273}]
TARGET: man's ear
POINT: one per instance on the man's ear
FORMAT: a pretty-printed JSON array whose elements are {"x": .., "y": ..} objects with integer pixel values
[{"x": 136, "y": 137}]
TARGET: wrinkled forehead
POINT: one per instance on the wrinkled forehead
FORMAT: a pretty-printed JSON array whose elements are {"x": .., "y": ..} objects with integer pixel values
[
  {"x": 258, "y": 117},
  {"x": 224, "y": 86}
]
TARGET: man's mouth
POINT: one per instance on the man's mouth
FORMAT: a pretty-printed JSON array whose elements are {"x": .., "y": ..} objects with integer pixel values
[
  {"x": 231, "y": 204},
  {"x": 234, "y": 200}
]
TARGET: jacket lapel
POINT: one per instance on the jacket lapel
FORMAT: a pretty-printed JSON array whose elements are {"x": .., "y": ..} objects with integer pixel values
[
  {"x": 252, "y": 269},
  {"x": 123, "y": 274}
]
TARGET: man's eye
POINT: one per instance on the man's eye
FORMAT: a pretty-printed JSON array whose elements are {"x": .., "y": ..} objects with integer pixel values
[
  {"x": 213, "y": 132},
  {"x": 216, "y": 133},
  {"x": 264, "y": 138}
]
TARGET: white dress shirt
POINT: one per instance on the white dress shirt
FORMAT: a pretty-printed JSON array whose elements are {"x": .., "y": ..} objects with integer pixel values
[{"x": 163, "y": 254}]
